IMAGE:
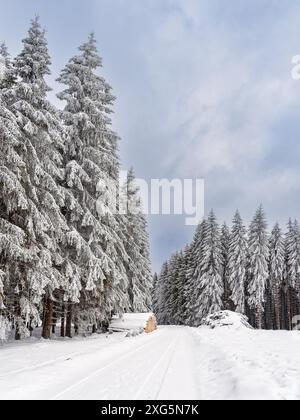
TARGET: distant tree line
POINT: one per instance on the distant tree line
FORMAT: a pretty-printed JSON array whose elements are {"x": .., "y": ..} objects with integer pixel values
[
  {"x": 62, "y": 261},
  {"x": 250, "y": 271}
]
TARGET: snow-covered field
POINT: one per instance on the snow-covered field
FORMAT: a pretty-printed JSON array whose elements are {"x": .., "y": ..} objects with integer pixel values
[{"x": 172, "y": 363}]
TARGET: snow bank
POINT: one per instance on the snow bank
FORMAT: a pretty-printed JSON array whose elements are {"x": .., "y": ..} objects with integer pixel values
[{"x": 227, "y": 319}]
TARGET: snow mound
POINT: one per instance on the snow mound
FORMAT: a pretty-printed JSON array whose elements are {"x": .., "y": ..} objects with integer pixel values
[{"x": 231, "y": 320}]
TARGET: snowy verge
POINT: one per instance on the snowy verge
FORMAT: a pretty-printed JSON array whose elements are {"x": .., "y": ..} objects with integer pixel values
[{"x": 244, "y": 364}]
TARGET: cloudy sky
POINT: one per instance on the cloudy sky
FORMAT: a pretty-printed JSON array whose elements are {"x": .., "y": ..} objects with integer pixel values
[{"x": 204, "y": 90}]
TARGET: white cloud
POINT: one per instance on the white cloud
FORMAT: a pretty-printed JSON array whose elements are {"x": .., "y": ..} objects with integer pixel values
[{"x": 210, "y": 85}]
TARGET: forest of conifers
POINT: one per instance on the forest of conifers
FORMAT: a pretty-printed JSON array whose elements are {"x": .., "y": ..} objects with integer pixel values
[
  {"x": 68, "y": 262},
  {"x": 249, "y": 271},
  {"x": 65, "y": 265}
]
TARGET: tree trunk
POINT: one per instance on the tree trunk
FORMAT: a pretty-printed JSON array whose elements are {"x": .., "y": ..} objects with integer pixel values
[
  {"x": 17, "y": 322},
  {"x": 278, "y": 307},
  {"x": 30, "y": 327},
  {"x": 63, "y": 319},
  {"x": 268, "y": 315},
  {"x": 17, "y": 332},
  {"x": 54, "y": 323},
  {"x": 105, "y": 326},
  {"x": 48, "y": 314},
  {"x": 258, "y": 318},
  {"x": 288, "y": 309},
  {"x": 294, "y": 296},
  {"x": 69, "y": 321}
]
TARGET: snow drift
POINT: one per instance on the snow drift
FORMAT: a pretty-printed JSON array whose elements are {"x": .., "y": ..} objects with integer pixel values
[{"x": 227, "y": 319}]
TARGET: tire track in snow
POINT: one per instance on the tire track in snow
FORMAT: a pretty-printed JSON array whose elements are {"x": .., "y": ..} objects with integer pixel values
[
  {"x": 109, "y": 365},
  {"x": 166, "y": 370},
  {"x": 170, "y": 350}
]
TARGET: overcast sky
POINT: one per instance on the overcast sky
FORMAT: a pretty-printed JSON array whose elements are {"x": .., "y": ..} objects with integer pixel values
[{"x": 204, "y": 90}]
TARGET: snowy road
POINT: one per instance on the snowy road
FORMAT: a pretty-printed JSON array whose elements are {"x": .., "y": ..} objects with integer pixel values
[
  {"x": 172, "y": 363},
  {"x": 155, "y": 366}
]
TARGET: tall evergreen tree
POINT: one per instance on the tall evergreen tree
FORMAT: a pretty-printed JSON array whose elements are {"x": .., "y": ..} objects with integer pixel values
[
  {"x": 225, "y": 243},
  {"x": 137, "y": 248},
  {"x": 292, "y": 248},
  {"x": 155, "y": 289},
  {"x": 277, "y": 270},
  {"x": 15, "y": 250},
  {"x": 92, "y": 167},
  {"x": 258, "y": 265},
  {"x": 7, "y": 75},
  {"x": 210, "y": 280},
  {"x": 292, "y": 251},
  {"x": 237, "y": 263},
  {"x": 41, "y": 151},
  {"x": 162, "y": 293},
  {"x": 192, "y": 288},
  {"x": 178, "y": 303},
  {"x": 173, "y": 288}
]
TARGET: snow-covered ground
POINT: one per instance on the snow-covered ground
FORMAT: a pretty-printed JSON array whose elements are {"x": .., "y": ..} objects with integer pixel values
[
  {"x": 172, "y": 363},
  {"x": 248, "y": 364}
]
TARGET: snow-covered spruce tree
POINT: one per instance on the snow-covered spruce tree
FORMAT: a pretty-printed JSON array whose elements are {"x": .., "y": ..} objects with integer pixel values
[
  {"x": 137, "y": 248},
  {"x": 172, "y": 289},
  {"x": 192, "y": 288},
  {"x": 7, "y": 75},
  {"x": 225, "y": 242},
  {"x": 180, "y": 298},
  {"x": 238, "y": 263},
  {"x": 162, "y": 293},
  {"x": 9, "y": 138},
  {"x": 296, "y": 292},
  {"x": 92, "y": 168},
  {"x": 15, "y": 251},
  {"x": 258, "y": 250},
  {"x": 277, "y": 270},
  {"x": 210, "y": 279},
  {"x": 43, "y": 140},
  {"x": 39, "y": 149},
  {"x": 292, "y": 277},
  {"x": 154, "y": 294},
  {"x": 188, "y": 286}
]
